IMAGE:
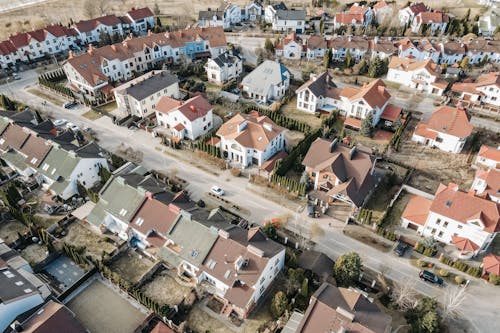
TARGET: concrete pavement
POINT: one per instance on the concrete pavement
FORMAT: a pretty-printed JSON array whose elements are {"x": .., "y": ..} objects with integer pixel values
[{"x": 482, "y": 313}]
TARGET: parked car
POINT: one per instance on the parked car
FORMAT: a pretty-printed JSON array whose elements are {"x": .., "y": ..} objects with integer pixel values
[
  {"x": 72, "y": 127},
  {"x": 59, "y": 122},
  {"x": 16, "y": 76},
  {"x": 431, "y": 277},
  {"x": 69, "y": 105},
  {"x": 217, "y": 190},
  {"x": 400, "y": 248}
]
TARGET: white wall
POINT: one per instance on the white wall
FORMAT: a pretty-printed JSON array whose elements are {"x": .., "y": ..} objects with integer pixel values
[
  {"x": 193, "y": 129},
  {"x": 491, "y": 94},
  {"x": 449, "y": 143}
]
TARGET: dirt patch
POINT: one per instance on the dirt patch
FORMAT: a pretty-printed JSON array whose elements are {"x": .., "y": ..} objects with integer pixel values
[
  {"x": 377, "y": 142},
  {"x": 163, "y": 289},
  {"x": 95, "y": 244},
  {"x": 293, "y": 138},
  {"x": 102, "y": 310},
  {"x": 141, "y": 265},
  {"x": 92, "y": 115},
  {"x": 34, "y": 253},
  {"x": 367, "y": 237},
  {"x": 290, "y": 110},
  {"x": 200, "y": 321},
  {"x": 9, "y": 230}
]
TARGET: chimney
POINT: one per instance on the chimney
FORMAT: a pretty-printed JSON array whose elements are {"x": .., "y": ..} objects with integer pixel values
[
  {"x": 375, "y": 40},
  {"x": 149, "y": 195},
  {"x": 192, "y": 108},
  {"x": 91, "y": 49},
  {"x": 472, "y": 193},
  {"x": 133, "y": 8},
  {"x": 71, "y": 54},
  {"x": 453, "y": 186},
  {"x": 113, "y": 47},
  {"x": 352, "y": 152},
  {"x": 345, "y": 313},
  {"x": 149, "y": 32},
  {"x": 349, "y": 38},
  {"x": 333, "y": 144},
  {"x": 224, "y": 234}
]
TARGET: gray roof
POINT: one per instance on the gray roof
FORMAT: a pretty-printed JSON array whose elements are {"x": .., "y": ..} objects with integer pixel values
[
  {"x": 226, "y": 58},
  {"x": 291, "y": 15},
  {"x": 320, "y": 85},
  {"x": 58, "y": 163},
  {"x": 151, "y": 85},
  {"x": 4, "y": 122},
  {"x": 280, "y": 6},
  {"x": 209, "y": 14},
  {"x": 317, "y": 262},
  {"x": 15, "y": 159},
  {"x": 266, "y": 74},
  {"x": 13, "y": 285}
]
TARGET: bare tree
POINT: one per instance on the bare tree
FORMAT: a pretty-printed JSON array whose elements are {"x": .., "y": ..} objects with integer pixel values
[
  {"x": 404, "y": 294},
  {"x": 89, "y": 9},
  {"x": 453, "y": 301}
]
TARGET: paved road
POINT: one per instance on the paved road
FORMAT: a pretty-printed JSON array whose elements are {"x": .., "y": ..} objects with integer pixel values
[{"x": 483, "y": 313}]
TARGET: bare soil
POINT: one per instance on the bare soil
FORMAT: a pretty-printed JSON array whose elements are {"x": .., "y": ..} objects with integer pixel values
[
  {"x": 9, "y": 230},
  {"x": 293, "y": 138},
  {"x": 34, "y": 253},
  {"x": 367, "y": 237},
  {"x": 79, "y": 235},
  {"x": 141, "y": 265},
  {"x": 163, "y": 289}
]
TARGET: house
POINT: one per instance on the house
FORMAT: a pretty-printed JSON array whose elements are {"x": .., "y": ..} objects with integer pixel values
[
  {"x": 270, "y": 11},
  {"x": 318, "y": 94},
  {"x": 407, "y": 14},
  {"x": 51, "y": 317},
  {"x": 89, "y": 31},
  {"x": 232, "y": 13},
  {"x": 8, "y": 54},
  {"x": 435, "y": 22},
  {"x": 452, "y": 52},
  {"x": 487, "y": 183},
  {"x": 290, "y": 47},
  {"x": 356, "y": 46},
  {"x": 344, "y": 173},
  {"x": 356, "y": 103},
  {"x": 447, "y": 129},
  {"x": 382, "y": 12},
  {"x": 382, "y": 48},
  {"x": 241, "y": 266},
  {"x": 224, "y": 68},
  {"x": 316, "y": 47},
  {"x": 491, "y": 264},
  {"x": 190, "y": 119},
  {"x": 289, "y": 21},
  {"x": 454, "y": 217},
  {"x": 421, "y": 50},
  {"x": 488, "y": 22},
  {"x": 421, "y": 75},
  {"x": 347, "y": 310},
  {"x": 254, "y": 11},
  {"x": 91, "y": 72},
  {"x": 488, "y": 157},
  {"x": 356, "y": 16},
  {"x": 483, "y": 50},
  {"x": 268, "y": 82},
  {"x": 485, "y": 89},
  {"x": 140, "y": 20},
  {"x": 140, "y": 96},
  {"x": 212, "y": 18},
  {"x": 250, "y": 139}
]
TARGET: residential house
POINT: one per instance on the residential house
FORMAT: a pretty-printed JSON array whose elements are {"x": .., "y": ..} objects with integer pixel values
[
  {"x": 382, "y": 48},
  {"x": 91, "y": 72},
  {"x": 487, "y": 183},
  {"x": 347, "y": 310},
  {"x": 421, "y": 50},
  {"x": 254, "y": 11},
  {"x": 289, "y": 21},
  {"x": 383, "y": 12},
  {"x": 356, "y": 46},
  {"x": 212, "y": 18},
  {"x": 290, "y": 47},
  {"x": 89, "y": 31},
  {"x": 485, "y": 89},
  {"x": 51, "y": 317},
  {"x": 421, "y": 75},
  {"x": 343, "y": 173},
  {"x": 315, "y": 47},
  {"x": 435, "y": 22},
  {"x": 241, "y": 266},
  {"x": 232, "y": 13},
  {"x": 190, "y": 119},
  {"x": 270, "y": 11},
  {"x": 250, "y": 139},
  {"x": 483, "y": 50},
  {"x": 452, "y": 52},
  {"x": 454, "y": 217},
  {"x": 489, "y": 22},
  {"x": 356, "y": 16},
  {"x": 318, "y": 94},
  {"x": 356, "y": 103},
  {"x": 8, "y": 54},
  {"x": 224, "y": 68},
  {"x": 491, "y": 264},
  {"x": 407, "y": 14},
  {"x": 269, "y": 81},
  {"x": 140, "y": 20},
  {"x": 140, "y": 96},
  {"x": 447, "y": 129},
  {"x": 488, "y": 157}
]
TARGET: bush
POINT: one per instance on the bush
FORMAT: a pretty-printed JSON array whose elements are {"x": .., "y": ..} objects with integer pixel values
[
  {"x": 444, "y": 272},
  {"x": 494, "y": 279},
  {"x": 235, "y": 172},
  {"x": 474, "y": 271},
  {"x": 459, "y": 279},
  {"x": 421, "y": 263}
]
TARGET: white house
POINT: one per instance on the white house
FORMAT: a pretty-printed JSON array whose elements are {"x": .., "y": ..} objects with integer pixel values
[
  {"x": 481, "y": 49},
  {"x": 382, "y": 48},
  {"x": 140, "y": 19},
  {"x": 269, "y": 81},
  {"x": 89, "y": 30},
  {"x": 212, "y": 18},
  {"x": 224, "y": 68},
  {"x": 356, "y": 46},
  {"x": 140, "y": 96},
  {"x": 488, "y": 157},
  {"x": 452, "y": 52},
  {"x": 454, "y": 217},
  {"x": 270, "y": 11},
  {"x": 190, "y": 119},
  {"x": 407, "y": 14},
  {"x": 316, "y": 47},
  {"x": 290, "y": 47},
  {"x": 435, "y": 22},
  {"x": 232, "y": 13},
  {"x": 253, "y": 11},
  {"x": 289, "y": 21},
  {"x": 489, "y": 22},
  {"x": 487, "y": 183},
  {"x": 420, "y": 75},
  {"x": 489, "y": 86},
  {"x": 251, "y": 139},
  {"x": 319, "y": 93},
  {"x": 447, "y": 129}
]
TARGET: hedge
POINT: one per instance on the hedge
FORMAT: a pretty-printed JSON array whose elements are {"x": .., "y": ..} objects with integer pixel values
[
  {"x": 289, "y": 184},
  {"x": 426, "y": 251},
  {"x": 387, "y": 234},
  {"x": 461, "y": 266},
  {"x": 364, "y": 216},
  {"x": 281, "y": 120}
]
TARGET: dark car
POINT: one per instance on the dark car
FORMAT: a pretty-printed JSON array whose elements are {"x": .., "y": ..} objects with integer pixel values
[
  {"x": 400, "y": 248},
  {"x": 69, "y": 105},
  {"x": 431, "y": 277}
]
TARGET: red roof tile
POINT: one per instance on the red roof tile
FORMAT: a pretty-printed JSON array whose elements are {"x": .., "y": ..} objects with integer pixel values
[
  {"x": 353, "y": 122},
  {"x": 391, "y": 112},
  {"x": 417, "y": 210},
  {"x": 464, "y": 244},
  {"x": 140, "y": 13},
  {"x": 154, "y": 215},
  {"x": 491, "y": 264},
  {"x": 490, "y": 153},
  {"x": 452, "y": 121},
  {"x": 192, "y": 109},
  {"x": 347, "y": 18}
]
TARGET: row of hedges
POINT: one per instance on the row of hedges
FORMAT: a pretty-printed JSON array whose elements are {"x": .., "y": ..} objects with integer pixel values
[
  {"x": 426, "y": 251},
  {"x": 11, "y": 105},
  {"x": 364, "y": 216},
  {"x": 57, "y": 87},
  {"x": 396, "y": 138},
  {"x": 281, "y": 120},
  {"x": 461, "y": 266},
  {"x": 209, "y": 149},
  {"x": 300, "y": 150},
  {"x": 291, "y": 185},
  {"x": 54, "y": 76},
  {"x": 386, "y": 233}
]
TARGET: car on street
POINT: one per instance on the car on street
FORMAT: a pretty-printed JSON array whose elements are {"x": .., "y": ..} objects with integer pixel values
[
  {"x": 69, "y": 105},
  {"x": 72, "y": 127},
  {"x": 59, "y": 122},
  {"x": 16, "y": 76},
  {"x": 400, "y": 248},
  {"x": 431, "y": 277},
  {"x": 217, "y": 190}
]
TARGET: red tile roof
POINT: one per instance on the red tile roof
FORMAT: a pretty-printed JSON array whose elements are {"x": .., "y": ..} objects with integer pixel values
[
  {"x": 6, "y": 47},
  {"x": 161, "y": 328},
  {"x": 464, "y": 244},
  {"x": 140, "y": 13},
  {"x": 417, "y": 210},
  {"x": 492, "y": 180},
  {"x": 489, "y": 79},
  {"x": 490, "y": 153},
  {"x": 154, "y": 215},
  {"x": 423, "y": 131},
  {"x": 192, "y": 109},
  {"x": 452, "y": 121},
  {"x": 353, "y": 122},
  {"x": 89, "y": 25},
  {"x": 432, "y": 17},
  {"x": 55, "y": 317},
  {"x": 375, "y": 93},
  {"x": 347, "y": 18},
  {"x": 391, "y": 112},
  {"x": 418, "y": 8},
  {"x": 491, "y": 264}
]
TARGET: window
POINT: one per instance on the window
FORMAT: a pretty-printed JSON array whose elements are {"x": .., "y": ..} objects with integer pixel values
[
  {"x": 433, "y": 231},
  {"x": 438, "y": 221},
  {"x": 34, "y": 160},
  {"x": 460, "y": 226},
  {"x": 440, "y": 234},
  {"x": 445, "y": 224}
]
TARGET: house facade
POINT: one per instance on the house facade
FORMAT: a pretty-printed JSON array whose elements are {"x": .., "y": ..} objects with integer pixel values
[
  {"x": 488, "y": 157},
  {"x": 447, "y": 129},
  {"x": 224, "y": 68},
  {"x": 269, "y": 81},
  {"x": 190, "y": 119},
  {"x": 289, "y": 21},
  {"x": 436, "y": 22},
  {"x": 270, "y": 11},
  {"x": 485, "y": 89},
  {"x": 421, "y": 75},
  {"x": 250, "y": 139},
  {"x": 357, "y": 47},
  {"x": 319, "y": 93},
  {"x": 487, "y": 183},
  {"x": 254, "y": 11},
  {"x": 407, "y": 14},
  {"x": 140, "y": 20},
  {"x": 89, "y": 31}
]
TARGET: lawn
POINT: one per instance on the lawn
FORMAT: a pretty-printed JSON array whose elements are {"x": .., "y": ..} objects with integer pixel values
[
  {"x": 292, "y": 138},
  {"x": 9, "y": 230},
  {"x": 122, "y": 265},
  {"x": 163, "y": 289},
  {"x": 95, "y": 244},
  {"x": 200, "y": 321},
  {"x": 378, "y": 141},
  {"x": 52, "y": 98},
  {"x": 102, "y": 310},
  {"x": 92, "y": 115},
  {"x": 290, "y": 110}
]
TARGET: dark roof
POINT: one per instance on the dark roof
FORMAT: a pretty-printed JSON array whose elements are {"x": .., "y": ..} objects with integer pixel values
[
  {"x": 317, "y": 262},
  {"x": 13, "y": 286},
  {"x": 280, "y": 6},
  {"x": 226, "y": 58},
  {"x": 90, "y": 150},
  {"x": 53, "y": 317},
  {"x": 209, "y": 14},
  {"x": 291, "y": 14},
  {"x": 320, "y": 86},
  {"x": 26, "y": 118},
  {"x": 151, "y": 85}
]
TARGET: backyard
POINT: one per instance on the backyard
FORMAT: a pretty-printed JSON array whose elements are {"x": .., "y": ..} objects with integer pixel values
[
  {"x": 34, "y": 253},
  {"x": 393, "y": 218},
  {"x": 102, "y": 310},
  {"x": 95, "y": 245},
  {"x": 163, "y": 289},
  {"x": 290, "y": 110},
  {"x": 9, "y": 230},
  {"x": 126, "y": 260}
]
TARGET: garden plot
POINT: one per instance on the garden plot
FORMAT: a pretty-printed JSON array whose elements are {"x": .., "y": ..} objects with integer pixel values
[
  {"x": 131, "y": 266},
  {"x": 163, "y": 289}
]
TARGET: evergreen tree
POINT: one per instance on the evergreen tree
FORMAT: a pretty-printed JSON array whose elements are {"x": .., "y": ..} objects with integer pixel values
[
  {"x": 327, "y": 58},
  {"x": 348, "y": 59},
  {"x": 367, "y": 125},
  {"x": 156, "y": 9},
  {"x": 322, "y": 26},
  {"x": 347, "y": 269},
  {"x": 268, "y": 45},
  {"x": 464, "y": 64}
]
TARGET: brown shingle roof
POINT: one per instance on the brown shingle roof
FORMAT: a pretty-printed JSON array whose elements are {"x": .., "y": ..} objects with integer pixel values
[
  {"x": 88, "y": 25},
  {"x": 161, "y": 328},
  {"x": 348, "y": 42},
  {"x": 35, "y": 149},
  {"x": 320, "y": 85},
  {"x": 452, "y": 121},
  {"x": 140, "y": 13},
  {"x": 14, "y": 137},
  {"x": 55, "y": 317},
  {"x": 154, "y": 215},
  {"x": 194, "y": 108},
  {"x": 316, "y": 42}
]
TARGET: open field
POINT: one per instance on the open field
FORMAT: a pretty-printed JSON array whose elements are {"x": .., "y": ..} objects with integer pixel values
[
  {"x": 102, "y": 310},
  {"x": 95, "y": 244},
  {"x": 126, "y": 261},
  {"x": 165, "y": 290},
  {"x": 10, "y": 229}
]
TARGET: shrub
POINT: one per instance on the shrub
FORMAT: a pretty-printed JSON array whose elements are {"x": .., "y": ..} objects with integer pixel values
[
  {"x": 459, "y": 279},
  {"x": 443, "y": 272},
  {"x": 494, "y": 279},
  {"x": 474, "y": 271},
  {"x": 421, "y": 263},
  {"x": 235, "y": 172},
  {"x": 461, "y": 266},
  {"x": 429, "y": 252}
]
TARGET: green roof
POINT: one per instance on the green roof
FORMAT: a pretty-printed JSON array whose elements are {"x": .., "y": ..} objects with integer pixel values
[
  {"x": 15, "y": 159},
  {"x": 58, "y": 163},
  {"x": 3, "y": 124},
  {"x": 194, "y": 239},
  {"x": 59, "y": 186},
  {"x": 96, "y": 215}
]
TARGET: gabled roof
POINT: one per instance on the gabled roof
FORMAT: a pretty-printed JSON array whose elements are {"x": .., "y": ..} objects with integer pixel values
[
  {"x": 154, "y": 215},
  {"x": 140, "y": 13},
  {"x": 417, "y": 8},
  {"x": 291, "y": 15},
  {"x": 454, "y": 48},
  {"x": 383, "y": 45},
  {"x": 491, "y": 178},
  {"x": 417, "y": 210},
  {"x": 490, "y": 153},
  {"x": 14, "y": 137},
  {"x": 194, "y": 108},
  {"x": 464, "y": 207},
  {"x": 250, "y": 130},
  {"x": 349, "y": 18},
  {"x": 450, "y": 120},
  {"x": 320, "y": 85},
  {"x": 407, "y": 65},
  {"x": 210, "y": 14},
  {"x": 316, "y": 42},
  {"x": 491, "y": 264},
  {"x": 483, "y": 45},
  {"x": 488, "y": 79},
  {"x": 53, "y": 317},
  {"x": 35, "y": 149},
  {"x": 89, "y": 25},
  {"x": 228, "y": 58},
  {"x": 464, "y": 244},
  {"x": 375, "y": 94},
  {"x": 432, "y": 17},
  {"x": 161, "y": 328},
  {"x": 264, "y": 76}
]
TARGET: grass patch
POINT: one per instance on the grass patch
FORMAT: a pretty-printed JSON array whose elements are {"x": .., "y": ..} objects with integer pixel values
[
  {"x": 290, "y": 110},
  {"x": 92, "y": 115},
  {"x": 391, "y": 84},
  {"x": 394, "y": 217},
  {"x": 47, "y": 96},
  {"x": 95, "y": 245}
]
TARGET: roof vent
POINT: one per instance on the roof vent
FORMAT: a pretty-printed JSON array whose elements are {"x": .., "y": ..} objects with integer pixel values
[{"x": 448, "y": 203}]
